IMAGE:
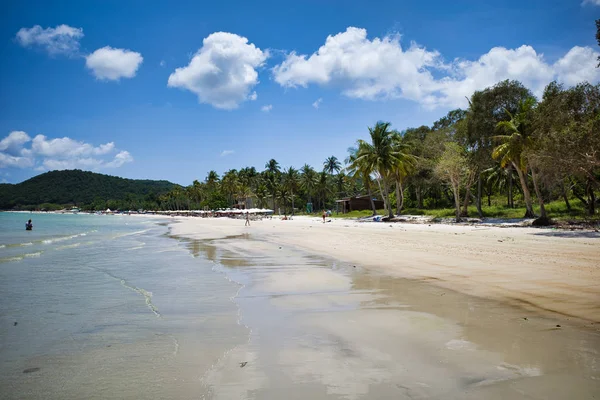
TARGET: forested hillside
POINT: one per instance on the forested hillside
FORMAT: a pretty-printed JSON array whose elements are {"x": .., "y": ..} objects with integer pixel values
[{"x": 84, "y": 189}]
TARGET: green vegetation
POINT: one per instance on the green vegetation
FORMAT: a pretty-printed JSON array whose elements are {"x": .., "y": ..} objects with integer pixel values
[
  {"x": 557, "y": 210},
  {"x": 59, "y": 189}
]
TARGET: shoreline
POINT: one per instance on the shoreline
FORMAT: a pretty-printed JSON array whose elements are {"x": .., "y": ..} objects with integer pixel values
[{"x": 552, "y": 272}]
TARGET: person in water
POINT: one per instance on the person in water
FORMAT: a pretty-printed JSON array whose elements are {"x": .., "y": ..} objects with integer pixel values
[{"x": 28, "y": 226}]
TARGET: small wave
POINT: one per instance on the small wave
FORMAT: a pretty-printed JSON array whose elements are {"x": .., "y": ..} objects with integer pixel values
[
  {"x": 130, "y": 234},
  {"x": 68, "y": 246},
  {"x": 147, "y": 295},
  {"x": 2, "y": 246},
  {"x": 36, "y": 254},
  {"x": 26, "y": 244},
  {"x": 63, "y": 238},
  {"x": 11, "y": 259},
  {"x": 135, "y": 248}
]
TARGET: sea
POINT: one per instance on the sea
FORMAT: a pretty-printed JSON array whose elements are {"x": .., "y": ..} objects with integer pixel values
[{"x": 108, "y": 306}]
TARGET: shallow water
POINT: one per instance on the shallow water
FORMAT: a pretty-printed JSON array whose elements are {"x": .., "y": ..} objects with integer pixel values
[
  {"x": 110, "y": 307},
  {"x": 125, "y": 311}
]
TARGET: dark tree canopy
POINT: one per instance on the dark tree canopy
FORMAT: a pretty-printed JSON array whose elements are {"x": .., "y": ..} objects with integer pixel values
[{"x": 79, "y": 188}]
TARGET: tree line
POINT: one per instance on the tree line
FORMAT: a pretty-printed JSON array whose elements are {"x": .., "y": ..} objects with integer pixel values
[{"x": 506, "y": 143}]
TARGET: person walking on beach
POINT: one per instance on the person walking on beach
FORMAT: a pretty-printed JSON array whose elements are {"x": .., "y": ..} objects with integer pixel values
[
  {"x": 324, "y": 215},
  {"x": 247, "y": 219}
]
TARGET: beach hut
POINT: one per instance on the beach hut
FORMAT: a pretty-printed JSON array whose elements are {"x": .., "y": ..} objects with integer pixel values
[{"x": 357, "y": 203}]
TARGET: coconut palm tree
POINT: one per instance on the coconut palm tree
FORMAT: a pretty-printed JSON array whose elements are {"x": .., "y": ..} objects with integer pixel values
[
  {"x": 513, "y": 146},
  {"x": 380, "y": 156},
  {"x": 291, "y": 182},
  {"x": 212, "y": 180},
  {"x": 308, "y": 181},
  {"x": 272, "y": 177},
  {"x": 404, "y": 165},
  {"x": 332, "y": 165},
  {"x": 359, "y": 168},
  {"x": 261, "y": 194},
  {"x": 322, "y": 187},
  {"x": 230, "y": 185}
]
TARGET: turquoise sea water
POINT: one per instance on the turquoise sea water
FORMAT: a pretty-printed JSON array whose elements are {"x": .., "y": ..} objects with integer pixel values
[{"x": 107, "y": 296}]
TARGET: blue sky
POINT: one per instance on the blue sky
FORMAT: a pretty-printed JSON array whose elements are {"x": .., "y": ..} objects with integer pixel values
[{"x": 164, "y": 90}]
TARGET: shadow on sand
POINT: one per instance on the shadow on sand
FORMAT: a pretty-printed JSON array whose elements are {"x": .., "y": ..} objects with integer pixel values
[{"x": 569, "y": 234}]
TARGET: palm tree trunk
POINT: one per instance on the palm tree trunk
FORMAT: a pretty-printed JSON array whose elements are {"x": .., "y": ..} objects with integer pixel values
[
  {"x": 479, "y": 189},
  {"x": 510, "y": 188},
  {"x": 528, "y": 206},
  {"x": 371, "y": 199},
  {"x": 383, "y": 195},
  {"x": 389, "y": 203},
  {"x": 292, "y": 202},
  {"x": 399, "y": 196},
  {"x": 543, "y": 215}
]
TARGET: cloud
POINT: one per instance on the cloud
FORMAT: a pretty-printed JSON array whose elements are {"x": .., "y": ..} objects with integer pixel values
[
  {"x": 58, "y": 153},
  {"x": 266, "y": 108},
  {"x": 317, "y": 103},
  {"x": 253, "y": 96},
  {"x": 222, "y": 72},
  {"x": 226, "y": 153},
  {"x": 112, "y": 64},
  {"x": 162, "y": 63},
  {"x": 593, "y": 2},
  {"x": 12, "y": 144},
  {"x": 578, "y": 65},
  {"x": 382, "y": 69},
  {"x": 63, "y": 39}
]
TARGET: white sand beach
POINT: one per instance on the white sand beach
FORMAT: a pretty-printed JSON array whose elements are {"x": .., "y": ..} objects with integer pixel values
[
  {"x": 356, "y": 310},
  {"x": 543, "y": 270}
]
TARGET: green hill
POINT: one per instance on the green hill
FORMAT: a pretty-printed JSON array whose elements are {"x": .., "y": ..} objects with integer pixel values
[{"x": 84, "y": 189}]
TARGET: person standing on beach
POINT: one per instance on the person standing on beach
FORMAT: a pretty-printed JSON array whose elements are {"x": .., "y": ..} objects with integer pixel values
[
  {"x": 247, "y": 219},
  {"x": 324, "y": 215}
]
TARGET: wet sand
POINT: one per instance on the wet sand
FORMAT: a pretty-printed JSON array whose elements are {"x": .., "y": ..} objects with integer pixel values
[{"x": 350, "y": 311}]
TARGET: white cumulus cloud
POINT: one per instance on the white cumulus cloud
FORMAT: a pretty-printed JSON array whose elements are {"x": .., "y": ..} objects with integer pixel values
[
  {"x": 113, "y": 64},
  {"x": 225, "y": 153},
  {"x": 19, "y": 150},
  {"x": 14, "y": 142},
  {"x": 593, "y": 2},
  {"x": 381, "y": 68},
  {"x": 266, "y": 108},
  {"x": 222, "y": 72},
  {"x": 317, "y": 103},
  {"x": 63, "y": 39}
]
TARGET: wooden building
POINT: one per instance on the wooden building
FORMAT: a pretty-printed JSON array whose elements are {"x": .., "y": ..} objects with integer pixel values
[{"x": 357, "y": 203}]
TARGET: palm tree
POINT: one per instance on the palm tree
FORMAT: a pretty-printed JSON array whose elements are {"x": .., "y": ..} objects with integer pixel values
[
  {"x": 403, "y": 167},
  {"x": 308, "y": 181},
  {"x": 212, "y": 179},
  {"x": 230, "y": 184},
  {"x": 291, "y": 180},
  {"x": 512, "y": 149},
  {"x": 272, "y": 170},
  {"x": 332, "y": 165},
  {"x": 359, "y": 168},
  {"x": 261, "y": 194},
  {"x": 323, "y": 187},
  {"x": 380, "y": 156}
]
